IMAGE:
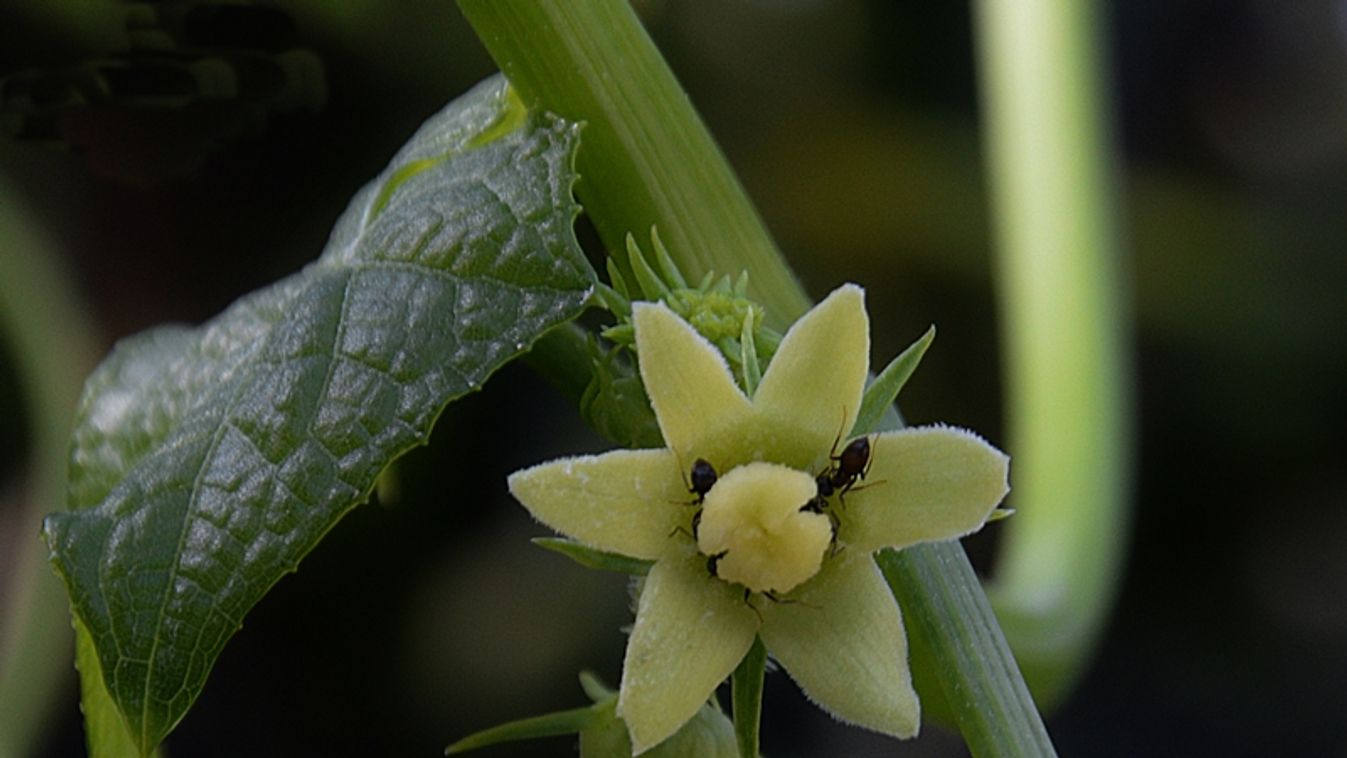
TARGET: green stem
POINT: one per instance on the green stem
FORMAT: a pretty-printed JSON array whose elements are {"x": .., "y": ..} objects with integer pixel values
[
  {"x": 746, "y": 698},
  {"x": 1065, "y": 343},
  {"x": 593, "y": 62},
  {"x": 944, "y": 605}
]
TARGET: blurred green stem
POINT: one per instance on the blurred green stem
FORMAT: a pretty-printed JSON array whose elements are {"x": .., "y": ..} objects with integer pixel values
[
  {"x": 647, "y": 159},
  {"x": 53, "y": 346},
  {"x": 1052, "y": 186}
]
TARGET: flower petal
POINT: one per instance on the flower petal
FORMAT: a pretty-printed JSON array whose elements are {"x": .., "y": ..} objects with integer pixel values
[
  {"x": 924, "y": 484},
  {"x": 625, "y": 501},
  {"x": 812, "y": 389},
  {"x": 691, "y": 631},
  {"x": 841, "y": 639},
  {"x": 694, "y": 396}
]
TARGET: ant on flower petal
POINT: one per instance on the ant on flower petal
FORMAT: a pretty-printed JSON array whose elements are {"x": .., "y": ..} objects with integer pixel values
[
  {"x": 703, "y": 478},
  {"x": 844, "y": 469},
  {"x": 851, "y": 466}
]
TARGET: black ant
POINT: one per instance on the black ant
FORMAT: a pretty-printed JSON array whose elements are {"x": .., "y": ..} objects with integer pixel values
[
  {"x": 852, "y": 465},
  {"x": 841, "y": 474},
  {"x": 703, "y": 478}
]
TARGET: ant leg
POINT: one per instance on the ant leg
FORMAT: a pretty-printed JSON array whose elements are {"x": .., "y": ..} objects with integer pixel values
[
  {"x": 748, "y": 602},
  {"x": 870, "y": 459},
  {"x": 834, "y": 547},
  {"x": 841, "y": 501},
  {"x": 840, "y": 428},
  {"x": 696, "y": 522},
  {"x": 786, "y": 601}
]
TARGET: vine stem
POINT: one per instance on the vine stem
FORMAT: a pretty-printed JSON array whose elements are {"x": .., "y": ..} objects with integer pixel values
[
  {"x": 648, "y": 159},
  {"x": 1061, "y": 298},
  {"x": 946, "y": 610}
]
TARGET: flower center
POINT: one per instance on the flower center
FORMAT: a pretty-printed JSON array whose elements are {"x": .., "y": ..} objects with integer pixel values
[{"x": 753, "y": 525}]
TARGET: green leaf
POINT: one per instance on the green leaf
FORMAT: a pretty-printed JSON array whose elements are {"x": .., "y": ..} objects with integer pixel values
[
  {"x": 105, "y": 732},
  {"x": 207, "y": 462}
]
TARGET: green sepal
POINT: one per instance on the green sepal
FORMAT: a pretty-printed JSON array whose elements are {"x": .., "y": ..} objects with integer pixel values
[
  {"x": 618, "y": 281},
  {"x": 667, "y": 268},
  {"x": 741, "y": 285},
  {"x": 621, "y": 334},
  {"x": 614, "y": 403},
  {"x": 604, "y": 735},
  {"x": 652, "y": 286},
  {"x": 555, "y": 724},
  {"x": 594, "y": 687},
  {"x": 750, "y": 373},
  {"x": 594, "y": 559},
  {"x": 613, "y": 300},
  {"x": 882, "y": 392}
]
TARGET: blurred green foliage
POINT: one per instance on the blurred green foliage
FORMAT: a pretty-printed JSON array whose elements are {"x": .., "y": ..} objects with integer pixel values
[{"x": 853, "y": 126}]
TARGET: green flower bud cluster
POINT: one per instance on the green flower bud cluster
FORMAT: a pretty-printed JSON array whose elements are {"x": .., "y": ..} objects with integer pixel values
[
  {"x": 718, "y": 308},
  {"x": 615, "y": 403}
]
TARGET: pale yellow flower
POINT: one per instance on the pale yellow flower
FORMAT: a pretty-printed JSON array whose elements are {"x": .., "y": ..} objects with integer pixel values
[{"x": 761, "y": 562}]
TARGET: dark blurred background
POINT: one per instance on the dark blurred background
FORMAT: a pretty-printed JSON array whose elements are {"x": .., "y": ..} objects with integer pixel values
[{"x": 854, "y": 127}]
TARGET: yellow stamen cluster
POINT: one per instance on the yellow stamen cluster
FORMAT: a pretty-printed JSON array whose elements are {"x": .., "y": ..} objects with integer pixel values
[{"x": 752, "y": 520}]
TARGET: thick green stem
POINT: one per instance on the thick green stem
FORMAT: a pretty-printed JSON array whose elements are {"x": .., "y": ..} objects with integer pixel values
[
  {"x": 1065, "y": 346},
  {"x": 647, "y": 157},
  {"x": 945, "y": 607},
  {"x": 592, "y": 61}
]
